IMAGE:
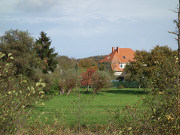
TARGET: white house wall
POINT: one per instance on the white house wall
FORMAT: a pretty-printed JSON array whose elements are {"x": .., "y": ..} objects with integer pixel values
[
  {"x": 122, "y": 65},
  {"x": 117, "y": 73}
]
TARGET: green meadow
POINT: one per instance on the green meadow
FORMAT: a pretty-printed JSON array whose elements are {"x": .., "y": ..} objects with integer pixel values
[{"x": 88, "y": 109}]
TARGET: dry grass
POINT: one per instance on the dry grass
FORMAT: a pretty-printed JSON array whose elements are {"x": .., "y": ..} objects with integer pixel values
[{"x": 56, "y": 129}]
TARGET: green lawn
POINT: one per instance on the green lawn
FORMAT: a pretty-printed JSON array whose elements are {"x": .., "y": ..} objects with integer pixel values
[{"x": 95, "y": 109}]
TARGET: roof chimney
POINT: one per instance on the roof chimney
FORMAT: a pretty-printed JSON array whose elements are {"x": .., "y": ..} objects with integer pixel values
[
  {"x": 113, "y": 48},
  {"x": 118, "y": 50}
]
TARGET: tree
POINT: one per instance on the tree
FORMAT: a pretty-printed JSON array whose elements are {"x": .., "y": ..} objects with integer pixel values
[
  {"x": 177, "y": 33},
  {"x": 66, "y": 63},
  {"x": 67, "y": 80},
  {"x": 154, "y": 68},
  {"x": 134, "y": 71},
  {"x": 20, "y": 44},
  {"x": 100, "y": 79},
  {"x": 46, "y": 53},
  {"x": 84, "y": 64},
  {"x": 87, "y": 78},
  {"x": 66, "y": 76}
]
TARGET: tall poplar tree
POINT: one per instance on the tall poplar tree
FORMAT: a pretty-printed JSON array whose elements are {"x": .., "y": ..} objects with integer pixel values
[{"x": 47, "y": 54}]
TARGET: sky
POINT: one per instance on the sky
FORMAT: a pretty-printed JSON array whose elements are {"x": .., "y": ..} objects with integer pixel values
[{"x": 84, "y": 28}]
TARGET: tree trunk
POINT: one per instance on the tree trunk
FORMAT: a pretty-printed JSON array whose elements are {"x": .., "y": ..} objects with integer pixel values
[
  {"x": 69, "y": 91},
  {"x": 61, "y": 91},
  {"x": 87, "y": 89},
  {"x": 178, "y": 91},
  {"x": 95, "y": 91},
  {"x": 179, "y": 33}
]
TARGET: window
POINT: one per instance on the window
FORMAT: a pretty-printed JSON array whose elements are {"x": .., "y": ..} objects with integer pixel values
[{"x": 121, "y": 65}]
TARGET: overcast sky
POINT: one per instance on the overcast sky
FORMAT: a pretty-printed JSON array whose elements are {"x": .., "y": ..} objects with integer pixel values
[{"x": 83, "y": 28}]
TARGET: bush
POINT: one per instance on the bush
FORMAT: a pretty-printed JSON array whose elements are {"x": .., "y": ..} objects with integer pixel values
[
  {"x": 126, "y": 84},
  {"x": 100, "y": 79},
  {"x": 49, "y": 79},
  {"x": 16, "y": 94}
]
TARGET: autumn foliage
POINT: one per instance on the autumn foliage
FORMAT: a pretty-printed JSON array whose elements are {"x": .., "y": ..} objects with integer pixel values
[{"x": 87, "y": 77}]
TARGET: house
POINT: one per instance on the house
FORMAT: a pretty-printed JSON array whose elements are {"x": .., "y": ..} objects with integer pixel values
[{"x": 118, "y": 59}]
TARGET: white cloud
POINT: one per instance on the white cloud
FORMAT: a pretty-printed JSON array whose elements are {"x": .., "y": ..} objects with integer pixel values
[
  {"x": 36, "y": 5},
  {"x": 79, "y": 31},
  {"x": 114, "y": 9},
  {"x": 83, "y": 17},
  {"x": 83, "y": 11},
  {"x": 7, "y": 7}
]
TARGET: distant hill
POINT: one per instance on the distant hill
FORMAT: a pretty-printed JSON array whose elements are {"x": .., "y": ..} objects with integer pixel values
[{"x": 94, "y": 58}]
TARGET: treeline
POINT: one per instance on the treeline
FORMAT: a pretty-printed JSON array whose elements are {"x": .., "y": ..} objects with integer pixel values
[{"x": 36, "y": 60}]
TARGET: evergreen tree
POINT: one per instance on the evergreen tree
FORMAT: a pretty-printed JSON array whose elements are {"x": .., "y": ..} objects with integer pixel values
[{"x": 46, "y": 53}]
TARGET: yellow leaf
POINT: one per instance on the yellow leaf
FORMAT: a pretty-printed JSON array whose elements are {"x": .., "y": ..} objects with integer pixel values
[
  {"x": 2, "y": 54},
  {"x": 160, "y": 93},
  {"x": 10, "y": 54},
  {"x": 169, "y": 117},
  {"x": 41, "y": 92},
  {"x": 24, "y": 81},
  {"x": 12, "y": 58}
]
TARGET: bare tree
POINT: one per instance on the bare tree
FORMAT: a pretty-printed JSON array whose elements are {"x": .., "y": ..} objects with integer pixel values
[{"x": 177, "y": 32}]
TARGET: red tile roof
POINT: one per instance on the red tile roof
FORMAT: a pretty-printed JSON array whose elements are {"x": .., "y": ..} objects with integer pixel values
[{"x": 120, "y": 55}]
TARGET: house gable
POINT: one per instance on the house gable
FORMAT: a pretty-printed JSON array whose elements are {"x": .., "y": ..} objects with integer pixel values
[{"x": 118, "y": 58}]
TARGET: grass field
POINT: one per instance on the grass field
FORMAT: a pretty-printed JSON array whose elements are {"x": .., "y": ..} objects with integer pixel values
[{"x": 87, "y": 108}]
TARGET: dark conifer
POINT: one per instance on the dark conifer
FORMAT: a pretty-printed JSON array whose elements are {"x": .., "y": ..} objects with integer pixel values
[{"x": 47, "y": 54}]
